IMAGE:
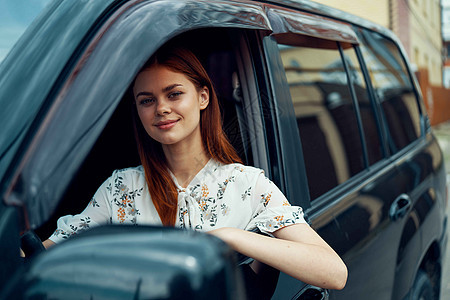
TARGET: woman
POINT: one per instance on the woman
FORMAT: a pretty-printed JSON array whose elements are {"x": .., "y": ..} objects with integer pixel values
[{"x": 191, "y": 177}]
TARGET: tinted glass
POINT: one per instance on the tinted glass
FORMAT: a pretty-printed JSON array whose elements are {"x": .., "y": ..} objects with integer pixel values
[
  {"x": 370, "y": 128},
  {"x": 393, "y": 89},
  {"x": 15, "y": 16},
  {"x": 16, "y": 113},
  {"x": 325, "y": 115}
]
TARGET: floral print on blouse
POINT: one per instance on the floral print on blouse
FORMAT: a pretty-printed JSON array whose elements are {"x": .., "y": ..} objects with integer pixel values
[{"x": 220, "y": 195}]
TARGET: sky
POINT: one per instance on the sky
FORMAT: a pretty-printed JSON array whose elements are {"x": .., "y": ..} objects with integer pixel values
[{"x": 15, "y": 16}]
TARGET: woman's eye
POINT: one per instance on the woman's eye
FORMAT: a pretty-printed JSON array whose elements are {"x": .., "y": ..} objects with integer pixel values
[
  {"x": 175, "y": 95},
  {"x": 146, "y": 101}
]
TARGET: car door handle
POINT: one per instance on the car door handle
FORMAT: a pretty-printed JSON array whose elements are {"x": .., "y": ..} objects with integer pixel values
[
  {"x": 400, "y": 207},
  {"x": 312, "y": 293}
]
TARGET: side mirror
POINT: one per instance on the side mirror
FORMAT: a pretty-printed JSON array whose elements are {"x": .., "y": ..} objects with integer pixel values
[{"x": 130, "y": 262}]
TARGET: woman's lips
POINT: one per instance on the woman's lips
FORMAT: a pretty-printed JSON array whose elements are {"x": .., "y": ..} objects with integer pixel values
[{"x": 166, "y": 124}]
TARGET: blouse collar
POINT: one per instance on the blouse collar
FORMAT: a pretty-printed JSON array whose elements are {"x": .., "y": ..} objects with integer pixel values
[{"x": 207, "y": 169}]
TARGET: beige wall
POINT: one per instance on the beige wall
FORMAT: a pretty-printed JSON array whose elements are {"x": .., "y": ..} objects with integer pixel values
[
  {"x": 425, "y": 38},
  {"x": 374, "y": 10},
  {"x": 423, "y": 43}
]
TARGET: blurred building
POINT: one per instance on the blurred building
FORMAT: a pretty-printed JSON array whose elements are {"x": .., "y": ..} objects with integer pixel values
[
  {"x": 416, "y": 22},
  {"x": 446, "y": 40}
]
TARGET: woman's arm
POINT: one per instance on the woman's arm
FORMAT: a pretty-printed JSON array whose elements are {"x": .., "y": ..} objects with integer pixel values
[
  {"x": 297, "y": 251},
  {"x": 48, "y": 243}
]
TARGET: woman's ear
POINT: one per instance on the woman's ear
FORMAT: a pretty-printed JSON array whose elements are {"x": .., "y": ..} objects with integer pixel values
[{"x": 204, "y": 97}]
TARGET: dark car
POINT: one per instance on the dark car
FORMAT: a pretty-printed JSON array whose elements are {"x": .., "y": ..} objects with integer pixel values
[{"x": 323, "y": 101}]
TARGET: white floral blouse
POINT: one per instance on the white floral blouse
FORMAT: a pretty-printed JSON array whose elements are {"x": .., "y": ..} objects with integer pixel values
[{"x": 220, "y": 195}]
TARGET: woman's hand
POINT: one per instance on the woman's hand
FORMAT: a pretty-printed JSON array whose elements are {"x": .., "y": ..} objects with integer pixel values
[{"x": 297, "y": 251}]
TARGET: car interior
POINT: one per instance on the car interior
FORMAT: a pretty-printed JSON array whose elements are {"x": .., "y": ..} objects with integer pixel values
[{"x": 116, "y": 148}]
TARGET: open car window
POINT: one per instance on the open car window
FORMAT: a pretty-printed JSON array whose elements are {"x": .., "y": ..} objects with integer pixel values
[
  {"x": 115, "y": 148},
  {"x": 98, "y": 82}
]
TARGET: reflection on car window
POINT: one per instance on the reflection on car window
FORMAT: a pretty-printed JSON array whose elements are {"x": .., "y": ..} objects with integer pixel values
[
  {"x": 15, "y": 116},
  {"x": 15, "y": 17},
  {"x": 371, "y": 130},
  {"x": 325, "y": 116},
  {"x": 393, "y": 88}
]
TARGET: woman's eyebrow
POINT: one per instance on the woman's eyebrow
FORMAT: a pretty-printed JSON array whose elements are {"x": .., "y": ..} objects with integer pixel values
[
  {"x": 144, "y": 94},
  {"x": 164, "y": 90},
  {"x": 171, "y": 87}
]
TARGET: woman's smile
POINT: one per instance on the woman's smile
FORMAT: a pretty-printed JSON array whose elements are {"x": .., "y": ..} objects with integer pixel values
[{"x": 167, "y": 124}]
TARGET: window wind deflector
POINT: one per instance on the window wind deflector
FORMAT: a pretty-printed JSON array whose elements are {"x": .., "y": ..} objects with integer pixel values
[{"x": 303, "y": 29}]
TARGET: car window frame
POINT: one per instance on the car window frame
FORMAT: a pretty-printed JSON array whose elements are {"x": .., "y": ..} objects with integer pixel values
[
  {"x": 333, "y": 195},
  {"x": 387, "y": 157},
  {"x": 276, "y": 67},
  {"x": 381, "y": 126},
  {"x": 89, "y": 67}
]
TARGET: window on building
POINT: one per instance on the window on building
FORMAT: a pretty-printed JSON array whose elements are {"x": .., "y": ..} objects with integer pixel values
[
  {"x": 416, "y": 56},
  {"x": 424, "y": 7}
]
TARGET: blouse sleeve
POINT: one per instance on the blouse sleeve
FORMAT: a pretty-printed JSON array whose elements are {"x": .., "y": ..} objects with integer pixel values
[
  {"x": 272, "y": 210},
  {"x": 97, "y": 212}
]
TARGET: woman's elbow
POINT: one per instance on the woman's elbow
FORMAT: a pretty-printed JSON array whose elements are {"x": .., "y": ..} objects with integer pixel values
[{"x": 339, "y": 279}]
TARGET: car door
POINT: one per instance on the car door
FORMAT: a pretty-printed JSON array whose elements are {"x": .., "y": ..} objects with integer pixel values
[
  {"x": 416, "y": 155},
  {"x": 352, "y": 183}
]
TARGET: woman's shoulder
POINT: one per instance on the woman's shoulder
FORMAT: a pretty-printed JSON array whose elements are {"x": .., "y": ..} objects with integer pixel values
[
  {"x": 238, "y": 169},
  {"x": 131, "y": 173}
]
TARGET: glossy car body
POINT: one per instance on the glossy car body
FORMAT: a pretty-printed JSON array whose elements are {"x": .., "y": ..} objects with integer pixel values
[{"x": 353, "y": 147}]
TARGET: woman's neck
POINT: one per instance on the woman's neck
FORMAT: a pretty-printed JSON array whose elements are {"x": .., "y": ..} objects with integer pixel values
[{"x": 184, "y": 162}]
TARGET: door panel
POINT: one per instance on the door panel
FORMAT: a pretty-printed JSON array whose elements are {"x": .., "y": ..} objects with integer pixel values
[{"x": 368, "y": 239}]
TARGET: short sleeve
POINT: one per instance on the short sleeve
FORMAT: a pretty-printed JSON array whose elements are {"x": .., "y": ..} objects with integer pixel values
[
  {"x": 97, "y": 212},
  {"x": 272, "y": 210}
]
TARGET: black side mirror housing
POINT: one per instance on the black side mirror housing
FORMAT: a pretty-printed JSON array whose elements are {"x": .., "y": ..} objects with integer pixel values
[{"x": 133, "y": 262}]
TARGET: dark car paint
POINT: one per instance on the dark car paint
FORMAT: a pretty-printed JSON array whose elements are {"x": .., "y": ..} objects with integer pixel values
[
  {"x": 124, "y": 255},
  {"x": 354, "y": 218},
  {"x": 363, "y": 218}
]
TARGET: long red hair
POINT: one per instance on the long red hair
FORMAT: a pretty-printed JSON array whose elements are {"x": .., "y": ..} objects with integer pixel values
[{"x": 162, "y": 189}]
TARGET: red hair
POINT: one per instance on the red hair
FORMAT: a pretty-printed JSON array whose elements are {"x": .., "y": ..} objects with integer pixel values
[{"x": 162, "y": 189}]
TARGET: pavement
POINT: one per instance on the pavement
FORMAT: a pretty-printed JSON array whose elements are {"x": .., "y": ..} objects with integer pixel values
[{"x": 442, "y": 132}]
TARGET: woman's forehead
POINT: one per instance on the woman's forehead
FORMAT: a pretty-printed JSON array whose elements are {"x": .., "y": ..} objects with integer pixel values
[{"x": 159, "y": 77}]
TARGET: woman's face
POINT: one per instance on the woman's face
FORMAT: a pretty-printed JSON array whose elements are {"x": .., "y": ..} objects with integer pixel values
[{"x": 169, "y": 105}]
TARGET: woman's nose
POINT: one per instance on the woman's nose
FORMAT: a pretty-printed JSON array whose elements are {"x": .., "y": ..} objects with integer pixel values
[{"x": 162, "y": 107}]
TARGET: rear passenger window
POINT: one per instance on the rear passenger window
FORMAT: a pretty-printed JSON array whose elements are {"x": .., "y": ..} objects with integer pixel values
[
  {"x": 393, "y": 88},
  {"x": 366, "y": 108},
  {"x": 325, "y": 113}
]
